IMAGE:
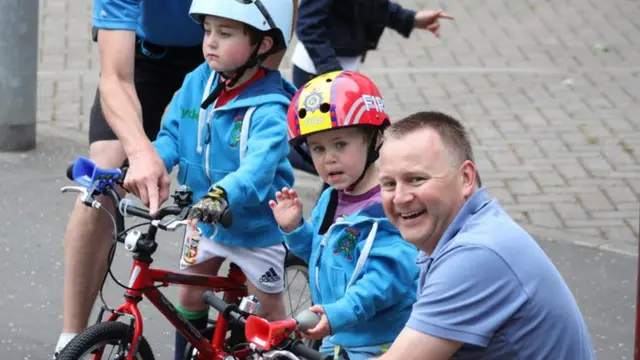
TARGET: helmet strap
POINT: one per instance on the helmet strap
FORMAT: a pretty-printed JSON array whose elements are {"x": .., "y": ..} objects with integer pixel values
[
  {"x": 253, "y": 60},
  {"x": 303, "y": 154},
  {"x": 373, "y": 152},
  {"x": 231, "y": 78}
]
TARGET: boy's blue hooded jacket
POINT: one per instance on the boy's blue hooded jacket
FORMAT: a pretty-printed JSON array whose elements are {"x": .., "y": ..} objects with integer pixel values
[
  {"x": 208, "y": 144},
  {"x": 373, "y": 306}
]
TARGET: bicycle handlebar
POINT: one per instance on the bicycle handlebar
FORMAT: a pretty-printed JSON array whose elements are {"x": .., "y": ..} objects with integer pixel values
[
  {"x": 70, "y": 172},
  {"x": 232, "y": 313},
  {"x": 300, "y": 349},
  {"x": 229, "y": 311},
  {"x": 98, "y": 181}
]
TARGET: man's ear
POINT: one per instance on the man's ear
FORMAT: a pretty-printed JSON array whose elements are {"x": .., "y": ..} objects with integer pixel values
[
  {"x": 265, "y": 45},
  {"x": 468, "y": 172}
]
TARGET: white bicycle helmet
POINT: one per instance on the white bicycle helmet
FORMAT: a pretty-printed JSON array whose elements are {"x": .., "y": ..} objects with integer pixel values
[
  {"x": 264, "y": 15},
  {"x": 272, "y": 18}
]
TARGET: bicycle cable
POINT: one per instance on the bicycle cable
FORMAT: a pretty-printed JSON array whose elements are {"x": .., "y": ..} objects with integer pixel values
[
  {"x": 133, "y": 227},
  {"x": 112, "y": 252},
  {"x": 236, "y": 346},
  {"x": 109, "y": 260}
]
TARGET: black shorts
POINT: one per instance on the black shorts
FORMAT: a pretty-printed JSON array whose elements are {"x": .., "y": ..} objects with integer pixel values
[{"x": 159, "y": 72}]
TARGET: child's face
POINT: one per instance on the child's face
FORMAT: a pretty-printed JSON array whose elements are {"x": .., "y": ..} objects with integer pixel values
[
  {"x": 226, "y": 45},
  {"x": 339, "y": 155}
]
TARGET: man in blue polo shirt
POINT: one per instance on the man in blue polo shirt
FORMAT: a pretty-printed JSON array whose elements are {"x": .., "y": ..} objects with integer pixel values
[{"x": 486, "y": 289}]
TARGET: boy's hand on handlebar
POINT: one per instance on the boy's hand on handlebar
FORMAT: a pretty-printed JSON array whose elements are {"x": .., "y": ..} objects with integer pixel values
[
  {"x": 287, "y": 209},
  {"x": 322, "y": 329},
  {"x": 210, "y": 208},
  {"x": 147, "y": 178}
]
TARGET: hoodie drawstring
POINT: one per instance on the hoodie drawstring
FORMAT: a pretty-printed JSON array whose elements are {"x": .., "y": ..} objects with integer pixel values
[{"x": 202, "y": 118}]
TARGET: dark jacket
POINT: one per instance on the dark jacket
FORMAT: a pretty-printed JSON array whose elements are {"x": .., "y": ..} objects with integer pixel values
[{"x": 330, "y": 28}]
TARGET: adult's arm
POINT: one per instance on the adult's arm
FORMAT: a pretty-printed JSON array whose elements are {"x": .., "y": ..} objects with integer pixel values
[
  {"x": 118, "y": 97},
  {"x": 117, "y": 21}
]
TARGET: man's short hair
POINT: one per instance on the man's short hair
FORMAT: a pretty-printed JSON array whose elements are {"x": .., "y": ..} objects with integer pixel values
[{"x": 453, "y": 134}]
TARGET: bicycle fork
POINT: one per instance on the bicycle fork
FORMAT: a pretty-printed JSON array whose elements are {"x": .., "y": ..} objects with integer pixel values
[
  {"x": 133, "y": 336},
  {"x": 128, "y": 309}
]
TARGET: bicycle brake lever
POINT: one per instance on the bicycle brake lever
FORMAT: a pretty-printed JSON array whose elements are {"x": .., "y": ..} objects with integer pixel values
[
  {"x": 173, "y": 224},
  {"x": 85, "y": 197},
  {"x": 78, "y": 189}
]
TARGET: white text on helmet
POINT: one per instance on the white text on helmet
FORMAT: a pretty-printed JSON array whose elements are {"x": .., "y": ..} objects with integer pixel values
[
  {"x": 371, "y": 101},
  {"x": 312, "y": 121}
]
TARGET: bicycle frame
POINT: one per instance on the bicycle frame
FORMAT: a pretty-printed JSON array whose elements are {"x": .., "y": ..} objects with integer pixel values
[{"x": 143, "y": 280}]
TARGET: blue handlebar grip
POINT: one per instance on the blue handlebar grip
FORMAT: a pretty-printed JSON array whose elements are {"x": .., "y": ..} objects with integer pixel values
[{"x": 86, "y": 173}]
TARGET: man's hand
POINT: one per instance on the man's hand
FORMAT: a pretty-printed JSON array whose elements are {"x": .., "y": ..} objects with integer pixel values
[
  {"x": 210, "y": 208},
  {"x": 322, "y": 329},
  {"x": 430, "y": 20},
  {"x": 147, "y": 178},
  {"x": 287, "y": 209}
]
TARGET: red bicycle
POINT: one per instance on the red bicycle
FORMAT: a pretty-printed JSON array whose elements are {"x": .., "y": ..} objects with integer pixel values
[{"x": 228, "y": 339}]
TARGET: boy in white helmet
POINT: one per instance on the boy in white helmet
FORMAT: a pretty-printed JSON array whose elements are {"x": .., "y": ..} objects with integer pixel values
[{"x": 226, "y": 128}]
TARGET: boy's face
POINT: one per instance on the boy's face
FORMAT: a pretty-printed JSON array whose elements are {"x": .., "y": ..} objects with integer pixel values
[
  {"x": 339, "y": 155},
  {"x": 226, "y": 44}
]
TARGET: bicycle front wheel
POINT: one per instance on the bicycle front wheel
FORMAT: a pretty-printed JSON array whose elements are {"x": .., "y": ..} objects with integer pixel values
[
  {"x": 101, "y": 336},
  {"x": 297, "y": 294}
]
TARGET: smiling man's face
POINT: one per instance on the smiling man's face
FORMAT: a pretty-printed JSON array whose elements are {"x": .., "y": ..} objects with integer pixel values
[{"x": 422, "y": 187}]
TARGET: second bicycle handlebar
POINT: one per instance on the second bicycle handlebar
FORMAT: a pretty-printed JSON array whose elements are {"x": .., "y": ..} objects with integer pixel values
[{"x": 234, "y": 315}]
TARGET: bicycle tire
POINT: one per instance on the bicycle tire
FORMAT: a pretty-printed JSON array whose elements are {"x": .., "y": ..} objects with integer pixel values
[
  {"x": 293, "y": 262},
  {"x": 99, "y": 335}
]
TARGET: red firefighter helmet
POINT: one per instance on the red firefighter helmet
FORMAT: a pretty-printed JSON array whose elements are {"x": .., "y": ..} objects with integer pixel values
[{"x": 335, "y": 100}]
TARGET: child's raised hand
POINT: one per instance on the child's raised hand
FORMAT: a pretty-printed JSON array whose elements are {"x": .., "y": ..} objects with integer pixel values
[{"x": 287, "y": 209}]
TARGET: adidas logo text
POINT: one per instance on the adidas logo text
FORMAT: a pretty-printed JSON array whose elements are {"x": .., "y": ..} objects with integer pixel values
[{"x": 269, "y": 276}]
